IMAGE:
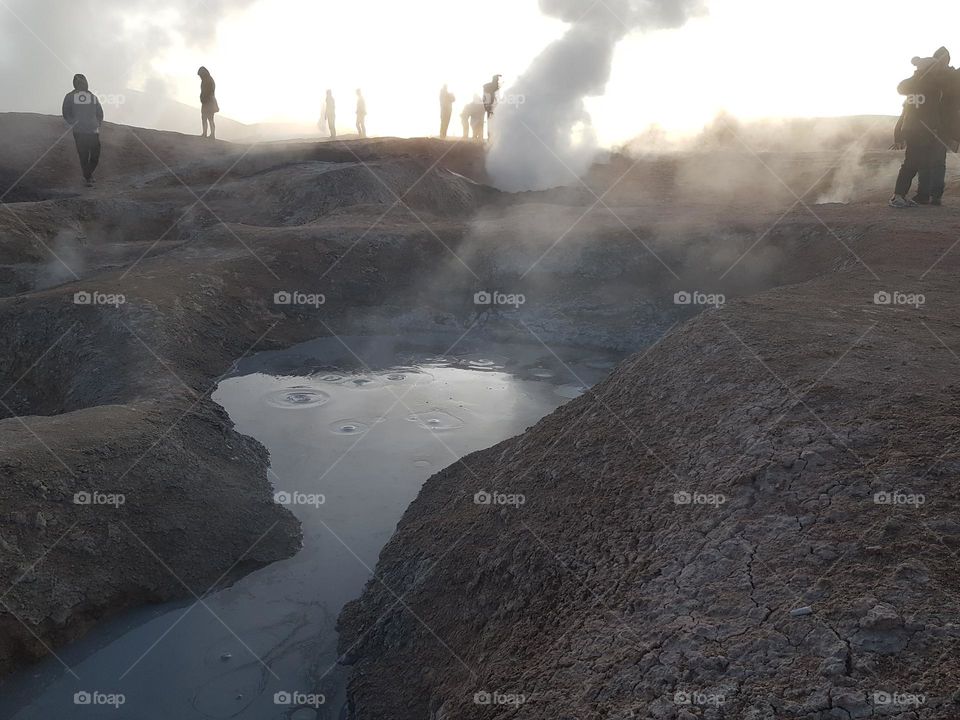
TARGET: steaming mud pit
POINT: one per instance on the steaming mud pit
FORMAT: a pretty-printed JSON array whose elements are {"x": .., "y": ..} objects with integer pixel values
[
  {"x": 602, "y": 597},
  {"x": 351, "y": 440}
]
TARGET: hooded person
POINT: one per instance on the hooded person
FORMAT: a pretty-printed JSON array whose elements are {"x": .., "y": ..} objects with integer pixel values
[
  {"x": 84, "y": 113},
  {"x": 208, "y": 102},
  {"x": 918, "y": 130}
]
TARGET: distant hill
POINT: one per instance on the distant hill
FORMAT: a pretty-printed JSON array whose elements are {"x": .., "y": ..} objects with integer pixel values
[{"x": 161, "y": 113}]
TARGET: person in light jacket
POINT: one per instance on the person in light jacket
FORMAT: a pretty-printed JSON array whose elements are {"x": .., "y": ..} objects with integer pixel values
[{"x": 208, "y": 102}]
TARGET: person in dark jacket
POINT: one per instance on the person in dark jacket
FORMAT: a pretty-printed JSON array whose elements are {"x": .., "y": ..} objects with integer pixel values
[
  {"x": 208, "y": 102},
  {"x": 84, "y": 113},
  {"x": 447, "y": 99},
  {"x": 948, "y": 131},
  {"x": 919, "y": 130}
]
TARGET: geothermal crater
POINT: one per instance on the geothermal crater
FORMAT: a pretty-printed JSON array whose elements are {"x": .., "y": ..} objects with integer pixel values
[{"x": 701, "y": 525}]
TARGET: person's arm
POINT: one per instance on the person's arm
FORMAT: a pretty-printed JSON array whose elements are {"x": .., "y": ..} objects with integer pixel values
[
  {"x": 898, "y": 141},
  {"x": 910, "y": 86},
  {"x": 67, "y": 109},
  {"x": 99, "y": 110}
]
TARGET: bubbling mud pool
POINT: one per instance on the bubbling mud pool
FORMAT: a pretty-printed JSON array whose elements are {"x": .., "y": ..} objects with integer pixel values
[{"x": 354, "y": 427}]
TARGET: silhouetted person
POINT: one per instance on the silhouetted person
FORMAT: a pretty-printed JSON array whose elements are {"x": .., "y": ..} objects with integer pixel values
[
  {"x": 919, "y": 128},
  {"x": 447, "y": 99},
  {"x": 948, "y": 132},
  {"x": 490, "y": 91},
  {"x": 477, "y": 114},
  {"x": 84, "y": 113},
  {"x": 361, "y": 115},
  {"x": 208, "y": 102},
  {"x": 330, "y": 114}
]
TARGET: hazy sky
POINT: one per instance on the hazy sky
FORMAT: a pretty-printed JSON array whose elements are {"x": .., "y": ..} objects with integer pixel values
[{"x": 274, "y": 58}]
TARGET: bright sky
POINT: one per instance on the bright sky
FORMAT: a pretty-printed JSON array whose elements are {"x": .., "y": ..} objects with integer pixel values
[{"x": 753, "y": 58}]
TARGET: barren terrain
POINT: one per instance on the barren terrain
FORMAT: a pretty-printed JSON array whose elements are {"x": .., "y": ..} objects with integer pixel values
[{"x": 798, "y": 401}]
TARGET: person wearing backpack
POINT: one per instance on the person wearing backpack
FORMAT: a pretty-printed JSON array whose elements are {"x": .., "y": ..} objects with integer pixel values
[
  {"x": 918, "y": 131},
  {"x": 84, "y": 113}
]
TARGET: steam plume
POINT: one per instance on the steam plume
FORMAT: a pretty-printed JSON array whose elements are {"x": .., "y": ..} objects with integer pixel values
[{"x": 547, "y": 139}]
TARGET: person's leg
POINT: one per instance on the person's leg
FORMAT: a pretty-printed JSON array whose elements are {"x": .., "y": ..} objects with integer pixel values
[
  {"x": 912, "y": 164},
  {"x": 81, "y": 153},
  {"x": 938, "y": 170},
  {"x": 213, "y": 128},
  {"x": 204, "y": 119},
  {"x": 94, "y": 154},
  {"x": 85, "y": 149}
]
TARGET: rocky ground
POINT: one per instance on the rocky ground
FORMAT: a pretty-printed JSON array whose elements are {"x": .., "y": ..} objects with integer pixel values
[
  {"x": 121, "y": 306},
  {"x": 754, "y": 518}
]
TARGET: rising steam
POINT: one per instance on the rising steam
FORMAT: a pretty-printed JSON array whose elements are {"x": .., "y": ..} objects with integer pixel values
[{"x": 547, "y": 140}]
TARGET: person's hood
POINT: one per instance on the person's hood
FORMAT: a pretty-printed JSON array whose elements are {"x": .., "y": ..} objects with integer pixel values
[
  {"x": 943, "y": 54},
  {"x": 80, "y": 83}
]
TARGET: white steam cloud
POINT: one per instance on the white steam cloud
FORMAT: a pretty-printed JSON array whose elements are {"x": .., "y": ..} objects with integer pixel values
[
  {"x": 43, "y": 43},
  {"x": 547, "y": 140}
]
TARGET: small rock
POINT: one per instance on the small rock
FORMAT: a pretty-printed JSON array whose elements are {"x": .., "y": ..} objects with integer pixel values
[
  {"x": 226, "y": 656},
  {"x": 800, "y": 612}
]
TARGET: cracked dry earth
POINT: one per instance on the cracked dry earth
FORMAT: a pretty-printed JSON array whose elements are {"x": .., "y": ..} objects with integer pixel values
[{"x": 757, "y": 518}]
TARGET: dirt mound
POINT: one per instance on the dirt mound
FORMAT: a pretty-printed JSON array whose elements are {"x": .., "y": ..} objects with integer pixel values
[
  {"x": 303, "y": 193},
  {"x": 754, "y": 520}
]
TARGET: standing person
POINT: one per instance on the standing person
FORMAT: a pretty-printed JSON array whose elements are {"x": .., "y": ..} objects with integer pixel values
[
  {"x": 361, "y": 114},
  {"x": 208, "y": 102},
  {"x": 84, "y": 113},
  {"x": 330, "y": 114},
  {"x": 921, "y": 123},
  {"x": 447, "y": 99},
  {"x": 948, "y": 135},
  {"x": 477, "y": 118},
  {"x": 490, "y": 91}
]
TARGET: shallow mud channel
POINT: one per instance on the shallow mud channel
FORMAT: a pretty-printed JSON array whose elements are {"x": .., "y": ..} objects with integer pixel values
[{"x": 354, "y": 427}]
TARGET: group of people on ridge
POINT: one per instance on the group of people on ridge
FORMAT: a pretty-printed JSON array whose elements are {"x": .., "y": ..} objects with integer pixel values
[
  {"x": 328, "y": 115},
  {"x": 84, "y": 113},
  {"x": 928, "y": 129},
  {"x": 474, "y": 114}
]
